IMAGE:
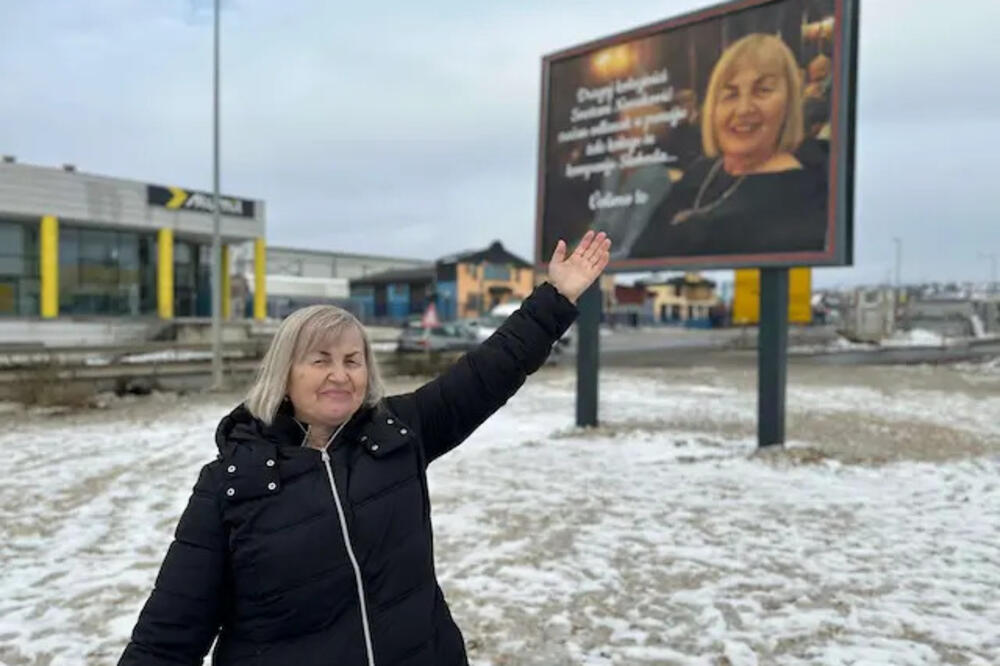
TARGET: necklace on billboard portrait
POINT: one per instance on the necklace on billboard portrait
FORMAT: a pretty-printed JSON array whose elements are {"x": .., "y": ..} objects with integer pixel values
[{"x": 698, "y": 208}]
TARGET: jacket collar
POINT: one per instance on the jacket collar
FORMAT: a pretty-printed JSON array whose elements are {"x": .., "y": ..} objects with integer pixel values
[{"x": 241, "y": 427}]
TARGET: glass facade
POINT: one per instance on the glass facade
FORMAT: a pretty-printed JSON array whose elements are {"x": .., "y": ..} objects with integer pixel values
[
  {"x": 106, "y": 272},
  {"x": 192, "y": 279},
  {"x": 102, "y": 272},
  {"x": 19, "y": 283}
]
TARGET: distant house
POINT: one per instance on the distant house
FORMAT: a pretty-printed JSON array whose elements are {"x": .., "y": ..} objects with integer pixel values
[
  {"x": 631, "y": 306},
  {"x": 470, "y": 284},
  {"x": 685, "y": 299}
]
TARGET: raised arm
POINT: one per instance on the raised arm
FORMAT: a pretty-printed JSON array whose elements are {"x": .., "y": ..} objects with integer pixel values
[
  {"x": 452, "y": 406},
  {"x": 182, "y": 615}
]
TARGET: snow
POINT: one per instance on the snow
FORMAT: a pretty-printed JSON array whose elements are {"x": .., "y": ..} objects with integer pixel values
[
  {"x": 990, "y": 367},
  {"x": 838, "y": 344},
  {"x": 915, "y": 338},
  {"x": 161, "y": 356},
  {"x": 662, "y": 537},
  {"x": 918, "y": 337},
  {"x": 978, "y": 329},
  {"x": 169, "y": 355}
]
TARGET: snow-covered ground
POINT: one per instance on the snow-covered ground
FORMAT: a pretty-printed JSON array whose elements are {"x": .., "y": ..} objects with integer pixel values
[
  {"x": 660, "y": 538},
  {"x": 916, "y": 338}
]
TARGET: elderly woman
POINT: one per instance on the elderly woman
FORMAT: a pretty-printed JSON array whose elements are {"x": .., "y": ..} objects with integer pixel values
[
  {"x": 750, "y": 193},
  {"x": 308, "y": 540}
]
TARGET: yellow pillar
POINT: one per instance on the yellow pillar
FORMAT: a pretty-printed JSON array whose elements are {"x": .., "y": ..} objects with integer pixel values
[
  {"x": 165, "y": 273},
  {"x": 227, "y": 304},
  {"x": 746, "y": 296},
  {"x": 259, "y": 279},
  {"x": 48, "y": 247}
]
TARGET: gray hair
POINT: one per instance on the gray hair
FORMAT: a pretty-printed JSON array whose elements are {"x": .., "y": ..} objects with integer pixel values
[{"x": 300, "y": 333}]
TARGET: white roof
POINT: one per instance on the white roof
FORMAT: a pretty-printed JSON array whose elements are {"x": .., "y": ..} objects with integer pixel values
[{"x": 304, "y": 287}]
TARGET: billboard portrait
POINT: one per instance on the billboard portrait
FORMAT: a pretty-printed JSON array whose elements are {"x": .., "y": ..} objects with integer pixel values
[{"x": 721, "y": 138}]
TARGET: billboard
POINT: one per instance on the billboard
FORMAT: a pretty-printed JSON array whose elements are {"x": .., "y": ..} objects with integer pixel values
[
  {"x": 719, "y": 139},
  {"x": 746, "y": 296}
]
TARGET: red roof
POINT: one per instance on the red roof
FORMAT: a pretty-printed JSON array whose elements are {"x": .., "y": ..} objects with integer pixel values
[{"x": 626, "y": 295}]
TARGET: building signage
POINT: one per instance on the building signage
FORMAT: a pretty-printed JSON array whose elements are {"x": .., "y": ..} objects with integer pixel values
[{"x": 176, "y": 198}]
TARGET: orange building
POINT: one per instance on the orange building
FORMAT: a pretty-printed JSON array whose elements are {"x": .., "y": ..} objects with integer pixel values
[
  {"x": 682, "y": 299},
  {"x": 470, "y": 284}
]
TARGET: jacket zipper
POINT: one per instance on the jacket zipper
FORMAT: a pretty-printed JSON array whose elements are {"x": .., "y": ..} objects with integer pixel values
[{"x": 369, "y": 650}]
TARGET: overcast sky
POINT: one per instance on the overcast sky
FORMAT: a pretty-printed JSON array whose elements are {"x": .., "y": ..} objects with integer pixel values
[{"x": 410, "y": 129}]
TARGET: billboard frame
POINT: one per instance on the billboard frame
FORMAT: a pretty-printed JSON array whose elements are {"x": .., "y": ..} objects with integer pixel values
[{"x": 840, "y": 207}]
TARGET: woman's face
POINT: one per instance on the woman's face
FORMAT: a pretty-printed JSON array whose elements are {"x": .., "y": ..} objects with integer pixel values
[
  {"x": 750, "y": 112},
  {"x": 329, "y": 384}
]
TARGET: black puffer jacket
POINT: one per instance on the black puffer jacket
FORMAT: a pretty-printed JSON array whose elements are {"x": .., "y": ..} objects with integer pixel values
[{"x": 289, "y": 566}]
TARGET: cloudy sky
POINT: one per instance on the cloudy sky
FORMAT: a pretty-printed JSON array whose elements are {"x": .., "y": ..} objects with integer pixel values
[{"x": 410, "y": 129}]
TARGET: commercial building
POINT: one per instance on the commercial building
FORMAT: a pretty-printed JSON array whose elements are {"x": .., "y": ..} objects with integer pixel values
[
  {"x": 391, "y": 297},
  {"x": 75, "y": 244},
  {"x": 344, "y": 265},
  {"x": 298, "y": 277}
]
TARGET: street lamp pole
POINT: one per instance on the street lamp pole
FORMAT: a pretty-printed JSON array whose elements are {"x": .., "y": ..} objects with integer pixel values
[
  {"x": 992, "y": 256},
  {"x": 216, "y": 240},
  {"x": 899, "y": 260}
]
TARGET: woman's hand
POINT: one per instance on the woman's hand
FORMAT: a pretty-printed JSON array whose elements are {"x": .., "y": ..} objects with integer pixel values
[{"x": 572, "y": 275}]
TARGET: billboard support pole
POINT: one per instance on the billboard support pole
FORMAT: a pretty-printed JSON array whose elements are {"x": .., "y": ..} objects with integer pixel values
[
  {"x": 772, "y": 356},
  {"x": 587, "y": 355}
]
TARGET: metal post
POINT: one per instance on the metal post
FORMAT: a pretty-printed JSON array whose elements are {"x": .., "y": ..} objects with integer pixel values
[
  {"x": 897, "y": 287},
  {"x": 992, "y": 258},
  {"x": 216, "y": 240},
  {"x": 588, "y": 355},
  {"x": 899, "y": 262},
  {"x": 772, "y": 356}
]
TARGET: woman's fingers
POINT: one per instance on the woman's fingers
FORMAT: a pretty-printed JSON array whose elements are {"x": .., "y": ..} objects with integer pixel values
[
  {"x": 584, "y": 245},
  {"x": 559, "y": 254},
  {"x": 592, "y": 251},
  {"x": 604, "y": 256},
  {"x": 597, "y": 243},
  {"x": 602, "y": 251}
]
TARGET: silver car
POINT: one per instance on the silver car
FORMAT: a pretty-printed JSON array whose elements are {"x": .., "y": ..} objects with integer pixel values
[{"x": 447, "y": 337}]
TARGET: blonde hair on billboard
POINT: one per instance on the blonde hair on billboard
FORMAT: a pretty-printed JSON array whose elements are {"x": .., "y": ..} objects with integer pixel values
[
  {"x": 302, "y": 332},
  {"x": 769, "y": 53}
]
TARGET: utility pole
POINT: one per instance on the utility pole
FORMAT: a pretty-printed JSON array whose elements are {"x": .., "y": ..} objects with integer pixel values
[
  {"x": 992, "y": 257},
  {"x": 216, "y": 240},
  {"x": 897, "y": 288},
  {"x": 899, "y": 261}
]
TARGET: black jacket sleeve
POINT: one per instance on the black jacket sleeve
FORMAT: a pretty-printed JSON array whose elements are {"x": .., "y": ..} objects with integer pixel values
[
  {"x": 452, "y": 406},
  {"x": 182, "y": 615}
]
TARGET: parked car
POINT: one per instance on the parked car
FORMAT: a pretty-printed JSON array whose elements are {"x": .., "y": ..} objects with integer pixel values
[
  {"x": 446, "y": 337},
  {"x": 483, "y": 327}
]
